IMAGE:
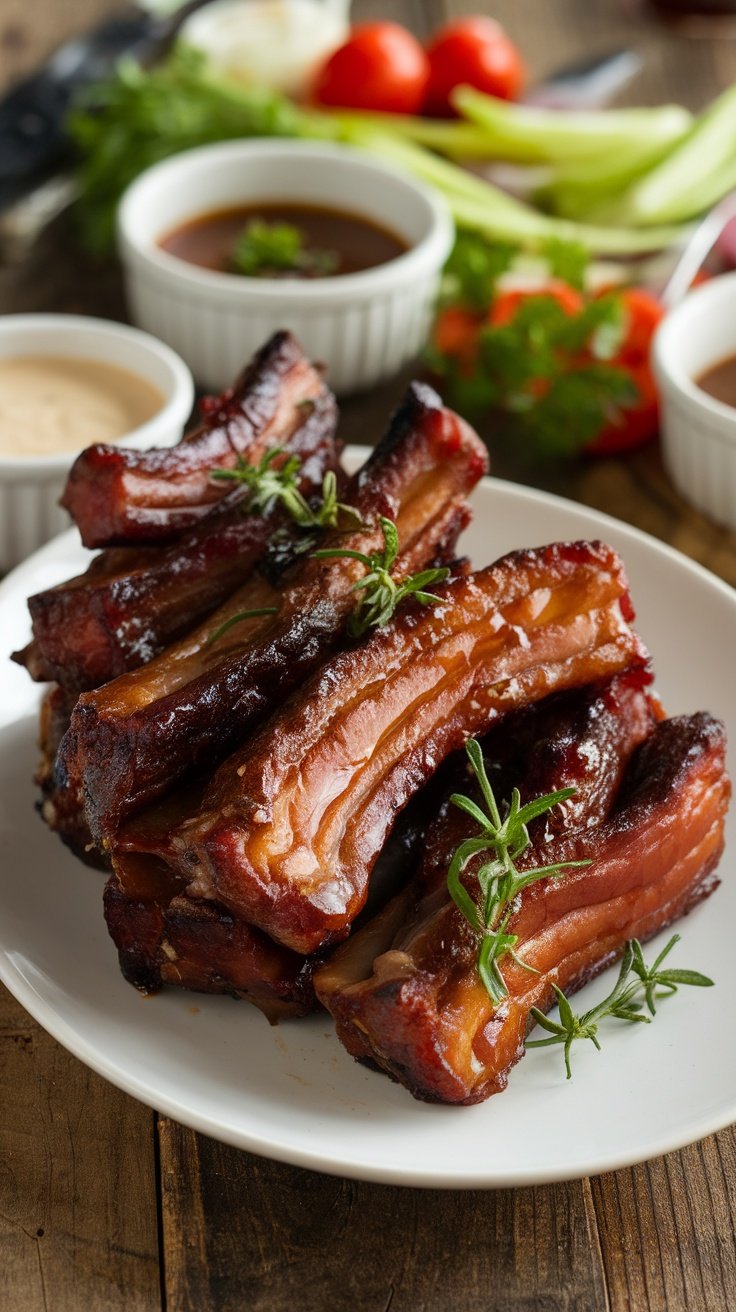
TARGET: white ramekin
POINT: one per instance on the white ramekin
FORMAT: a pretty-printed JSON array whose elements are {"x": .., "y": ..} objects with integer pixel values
[
  {"x": 698, "y": 432},
  {"x": 365, "y": 326},
  {"x": 30, "y": 486}
]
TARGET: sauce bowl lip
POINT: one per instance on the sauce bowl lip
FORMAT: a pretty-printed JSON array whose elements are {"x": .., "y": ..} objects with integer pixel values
[
  {"x": 179, "y": 396},
  {"x": 431, "y": 249},
  {"x": 717, "y": 296}
]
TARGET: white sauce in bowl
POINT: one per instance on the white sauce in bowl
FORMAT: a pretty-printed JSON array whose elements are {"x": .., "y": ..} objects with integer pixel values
[{"x": 53, "y": 405}]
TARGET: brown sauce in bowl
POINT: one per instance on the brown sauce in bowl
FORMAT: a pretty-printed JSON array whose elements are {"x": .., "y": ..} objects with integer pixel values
[
  {"x": 719, "y": 381},
  {"x": 353, "y": 242}
]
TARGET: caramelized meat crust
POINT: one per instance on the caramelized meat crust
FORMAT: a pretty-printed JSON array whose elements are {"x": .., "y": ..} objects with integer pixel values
[
  {"x": 132, "y": 739},
  {"x": 291, "y": 826},
  {"x": 117, "y": 495},
  {"x": 62, "y": 809},
  {"x": 405, "y": 992},
  {"x": 132, "y": 602}
]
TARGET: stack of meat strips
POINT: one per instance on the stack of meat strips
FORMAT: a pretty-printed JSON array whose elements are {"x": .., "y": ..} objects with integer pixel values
[{"x": 272, "y": 795}]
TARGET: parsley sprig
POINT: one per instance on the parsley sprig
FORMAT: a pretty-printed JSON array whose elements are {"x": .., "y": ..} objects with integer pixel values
[
  {"x": 267, "y": 482},
  {"x": 622, "y": 1003},
  {"x": 381, "y": 592},
  {"x": 505, "y": 837},
  {"x": 266, "y": 249}
]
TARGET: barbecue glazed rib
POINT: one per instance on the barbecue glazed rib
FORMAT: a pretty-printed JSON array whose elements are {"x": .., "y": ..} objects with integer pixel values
[
  {"x": 131, "y": 740},
  {"x": 406, "y": 993},
  {"x": 167, "y": 939},
  {"x": 292, "y": 824},
  {"x": 132, "y": 602},
  {"x": 60, "y": 808},
  {"x": 117, "y": 495}
]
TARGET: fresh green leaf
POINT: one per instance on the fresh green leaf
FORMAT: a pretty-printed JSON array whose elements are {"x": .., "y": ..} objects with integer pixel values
[
  {"x": 268, "y": 482},
  {"x": 268, "y": 249},
  {"x": 238, "y": 619}
]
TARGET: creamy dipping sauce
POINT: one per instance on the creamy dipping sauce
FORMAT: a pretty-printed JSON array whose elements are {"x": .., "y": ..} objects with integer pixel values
[{"x": 53, "y": 405}]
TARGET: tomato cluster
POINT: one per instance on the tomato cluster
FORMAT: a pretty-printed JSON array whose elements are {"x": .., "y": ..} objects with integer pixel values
[{"x": 382, "y": 67}]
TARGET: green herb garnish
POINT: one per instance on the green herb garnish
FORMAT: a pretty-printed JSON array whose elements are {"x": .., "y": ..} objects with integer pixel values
[
  {"x": 268, "y": 483},
  {"x": 381, "y": 592},
  {"x": 267, "y": 249},
  {"x": 238, "y": 619},
  {"x": 499, "y": 879},
  {"x": 622, "y": 1002},
  {"x": 546, "y": 373}
]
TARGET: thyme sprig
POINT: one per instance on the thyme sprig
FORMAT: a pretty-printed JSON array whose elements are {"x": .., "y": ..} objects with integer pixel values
[
  {"x": 622, "y": 1003},
  {"x": 267, "y": 483},
  {"x": 238, "y": 619},
  {"x": 381, "y": 592},
  {"x": 505, "y": 837}
]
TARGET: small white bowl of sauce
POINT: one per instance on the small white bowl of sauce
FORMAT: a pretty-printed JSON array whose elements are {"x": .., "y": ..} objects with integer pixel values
[
  {"x": 695, "y": 364},
  {"x": 67, "y": 381},
  {"x": 368, "y": 246}
]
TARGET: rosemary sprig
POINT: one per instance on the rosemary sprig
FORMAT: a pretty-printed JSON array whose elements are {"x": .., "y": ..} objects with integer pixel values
[
  {"x": 267, "y": 484},
  {"x": 238, "y": 619},
  {"x": 622, "y": 1002},
  {"x": 505, "y": 837},
  {"x": 381, "y": 592}
]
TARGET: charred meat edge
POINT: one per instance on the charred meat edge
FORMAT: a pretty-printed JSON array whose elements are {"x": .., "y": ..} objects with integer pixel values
[
  {"x": 118, "y": 496},
  {"x": 652, "y": 860},
  {"x": 291, "y": 825},
  {"x": 132, "y": 739}
]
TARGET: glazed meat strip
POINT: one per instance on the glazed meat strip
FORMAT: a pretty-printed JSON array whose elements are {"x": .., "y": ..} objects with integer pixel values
[
  {"x": 117, "y": 495},
  {"x": 132, "y": 602},
  {"x": 290, "y": 828},
  {"x": 409, "y": 999},
  {"x": 167, "y": 939},
  {"x": 581, "y": 739},
  {"x": 61, "y": 809},
  {"x": 132, "y": 739}
]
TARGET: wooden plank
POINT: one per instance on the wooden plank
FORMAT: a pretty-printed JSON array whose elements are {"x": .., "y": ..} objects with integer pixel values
[
  {"x": 242, "y": 1232},
  {"x": 78, "y": 1224},
  {"x": 668, "y": 1230}
]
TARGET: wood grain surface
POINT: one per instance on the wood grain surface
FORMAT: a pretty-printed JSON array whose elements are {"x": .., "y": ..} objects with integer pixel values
[{"x": 104, "y": 1205}]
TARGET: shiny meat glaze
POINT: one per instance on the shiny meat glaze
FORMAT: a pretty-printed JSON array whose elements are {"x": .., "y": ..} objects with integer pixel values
[
  {"x": 62, "y": 809},
  {"x": 291, "y": 826},
  {"x": 132, "y": 739},
  {"x": 408, "y": 998},
  {"x": 133, "y": 602},
  {"x": 117, "y": 495}
]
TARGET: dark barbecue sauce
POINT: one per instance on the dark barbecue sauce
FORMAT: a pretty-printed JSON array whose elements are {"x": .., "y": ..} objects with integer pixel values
[
  {"x": 357, "y": 243},
  {"x": 719, "y": 381}
]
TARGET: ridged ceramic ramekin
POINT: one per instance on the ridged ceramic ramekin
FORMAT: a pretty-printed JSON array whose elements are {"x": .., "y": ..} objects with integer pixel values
[
  {"x": 365, "y": 326},
  {"x": 698, "y": 432},
  {"x": 30, "y": 486}
]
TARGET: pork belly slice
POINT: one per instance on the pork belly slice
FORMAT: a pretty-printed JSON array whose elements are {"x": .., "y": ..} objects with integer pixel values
[
  {"x": 167, "y": 939},
  {"x": 61, "y": 808},
  {"x": 408, "y": 998},
  {"x": 291, "y": 825},
  {"x": 116, "y": 494},
  {"x": 132, "y": 739},
  {"x": 132, "y": 602}
]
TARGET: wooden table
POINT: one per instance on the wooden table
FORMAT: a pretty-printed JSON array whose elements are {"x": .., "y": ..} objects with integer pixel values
[{"x": 106, "y": 1205}]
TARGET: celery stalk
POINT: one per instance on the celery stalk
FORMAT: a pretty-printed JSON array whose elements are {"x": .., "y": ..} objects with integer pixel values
[
  {"x": 588, "y": 189},
  {"x": 479, "y": 205},
  {"x": 525, "y": 134},
  {"x": 693, "y": 177}
]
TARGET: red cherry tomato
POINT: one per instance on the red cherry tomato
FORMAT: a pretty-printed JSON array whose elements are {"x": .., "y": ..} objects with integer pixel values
[
  {"x": 638, "y": 423},
  {"x": 475, "y": 52},
  {"x": 506, "y": 304},
  {"x": 380, "y": 67}
]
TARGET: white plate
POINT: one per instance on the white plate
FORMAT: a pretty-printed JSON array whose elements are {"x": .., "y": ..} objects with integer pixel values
[{"x": 291, "y": 1092}]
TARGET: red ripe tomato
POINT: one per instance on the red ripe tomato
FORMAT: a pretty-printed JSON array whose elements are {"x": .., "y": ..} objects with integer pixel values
[
  {"x": 637, "y": 424},
  {"x": 506, "y": 304},
  {"x": 381, "y": 67},
  {"x": 475, "y": 52}
]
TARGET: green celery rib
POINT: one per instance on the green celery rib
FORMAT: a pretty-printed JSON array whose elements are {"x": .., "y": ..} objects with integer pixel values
[
  {"x": 480, "y": 206},
  {"x": 524, "y": 134},
  {"x": 693, "y": 177}
]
